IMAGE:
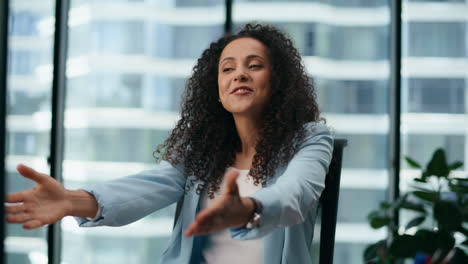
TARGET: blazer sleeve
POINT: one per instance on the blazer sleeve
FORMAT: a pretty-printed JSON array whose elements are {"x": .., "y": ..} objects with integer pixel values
[
  {"x": 288, "y": 201},
  {"x": 125, "y": 200}
]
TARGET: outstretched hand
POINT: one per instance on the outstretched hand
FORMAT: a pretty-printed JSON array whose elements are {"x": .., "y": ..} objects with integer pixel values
[
  {"x": 42, "y": 205},
  {"x": 229, "y": 210}
]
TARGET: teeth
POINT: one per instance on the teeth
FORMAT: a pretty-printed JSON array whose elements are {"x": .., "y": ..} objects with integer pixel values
[{"x": 242, "y": 90}]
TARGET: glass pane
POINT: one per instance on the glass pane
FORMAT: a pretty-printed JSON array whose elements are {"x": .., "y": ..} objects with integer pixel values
[
  {"x": 128, "y": 62},
  {"x": 345, "y": 47},
  {"x": 29, "y": 105},
  {"x": 434, "y": 87}
]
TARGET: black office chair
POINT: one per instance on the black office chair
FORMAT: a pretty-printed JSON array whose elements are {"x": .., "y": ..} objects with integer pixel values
[{"x": 328, "y": 204}]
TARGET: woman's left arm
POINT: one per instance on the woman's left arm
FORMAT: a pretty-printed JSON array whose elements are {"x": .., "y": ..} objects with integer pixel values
[
  {"x": 285, "y": 202},
  {"x": 288, "y": 201}
]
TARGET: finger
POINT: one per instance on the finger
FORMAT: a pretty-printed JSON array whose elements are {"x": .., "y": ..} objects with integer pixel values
[
  {"x": 14, "y": 197},
  {"x": 191, "y": 229},
  {"x": 15, "y": 209},
  {"x": 202, "y": 222},
  {"x": 209, "y": 220},
  {"x": 202, "y": 230},
  {"x": 197, "y": 229},
  {"x": 205, "y": 214},
  {"x": 19, "y": 218},
  {"x": 31, "y": 173},
  {"x": 213, "y": 213},
  {"x": 231, "y": 184},
  {"x": 32, "y": 224}
]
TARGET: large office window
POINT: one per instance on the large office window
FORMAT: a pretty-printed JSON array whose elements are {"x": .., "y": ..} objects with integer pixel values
[
  {"x": 434, "y": 81},
  {"x": 434, "y": 85},
  {"x": 345, "y": 47},
  {"x": 28, "y": 114},
  {"x": 127, "y": 65}
]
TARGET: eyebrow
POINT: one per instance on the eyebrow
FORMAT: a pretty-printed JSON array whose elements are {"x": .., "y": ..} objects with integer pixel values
[{"x": 248, "y": 57}]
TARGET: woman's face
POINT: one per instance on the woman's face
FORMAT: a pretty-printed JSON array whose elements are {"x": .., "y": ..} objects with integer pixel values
[{"x": 244, "y": 73}]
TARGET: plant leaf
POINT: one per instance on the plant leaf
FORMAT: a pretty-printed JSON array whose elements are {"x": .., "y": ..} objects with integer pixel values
[
  {"x": 370, "y": 252},
  {"x": 460, "y": 179},
  {"x": 444, "y": 240},
  {"x": 374, "y": 214},
  {"x": 399, "y": 202},
  {"x": 385, "y": 205},
  {"x": 438, "y": 164},
  {"x": 424, "y": 175},
  {"x": 458, "y": 187},
  {"x": 378, "y": 219},
  {"x": 379, "y": 222},
  {"x": 462, "y": 230},
  {"x": 415, "y": 222},
  {"x": 430, "y": 241},
  {"x": 464, "y": 212},
  {"x": 413, "y": 206},
  {"x": 421, "y": 188},
  {"x": 455, "y": 165},
  {"x": 404, "y": 246},
  {"x": 420, "y": 180},
  {"x": 427, "y": 196},
  {"x": 448, "y": 215},
  {"x": 412, "y": 163},
  {"x": 425, "y": 239}
]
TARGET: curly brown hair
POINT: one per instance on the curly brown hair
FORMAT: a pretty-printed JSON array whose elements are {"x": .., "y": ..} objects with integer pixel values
[{"x": 205, "y": 139}]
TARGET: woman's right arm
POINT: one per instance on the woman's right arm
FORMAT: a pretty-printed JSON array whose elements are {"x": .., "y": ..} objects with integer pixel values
[
  {"x": 127, "y": 199},
  {"x": 120, "y": 201}
]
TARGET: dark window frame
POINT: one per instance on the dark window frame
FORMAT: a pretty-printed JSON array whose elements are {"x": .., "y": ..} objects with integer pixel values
[{"x": 3, "y": 99}]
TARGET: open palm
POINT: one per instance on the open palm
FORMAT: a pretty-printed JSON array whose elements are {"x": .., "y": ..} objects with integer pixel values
[
  {"x": 229, "y": 210},
  {"x": 42, "y": 205}
]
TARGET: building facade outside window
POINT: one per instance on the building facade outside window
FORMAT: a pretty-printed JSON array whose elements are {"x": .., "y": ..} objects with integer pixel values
[{"x": 128, "y": 62}]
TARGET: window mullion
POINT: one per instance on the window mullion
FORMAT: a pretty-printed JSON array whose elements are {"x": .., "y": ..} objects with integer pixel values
[
  {"x": 3, "y": 109},
  {"x": 55, "y": 159}
]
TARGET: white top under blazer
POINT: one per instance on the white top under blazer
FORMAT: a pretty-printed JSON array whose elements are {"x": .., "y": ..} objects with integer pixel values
[{"x": 221, "y": 248}]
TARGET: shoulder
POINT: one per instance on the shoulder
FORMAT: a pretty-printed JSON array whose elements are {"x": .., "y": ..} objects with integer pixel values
[
  {"x": 315, "y": 130},
  {"x": 318, "y": 140}
]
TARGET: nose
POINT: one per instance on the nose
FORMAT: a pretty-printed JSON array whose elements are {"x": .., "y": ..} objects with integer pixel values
[{"x": 241, "y": 76}]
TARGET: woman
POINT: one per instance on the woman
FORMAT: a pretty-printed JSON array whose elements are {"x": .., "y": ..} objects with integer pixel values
[{"x": 249, "y": 109}]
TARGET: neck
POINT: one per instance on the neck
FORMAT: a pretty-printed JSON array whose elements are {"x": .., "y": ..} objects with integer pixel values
[{"x": 247, "y": 129}]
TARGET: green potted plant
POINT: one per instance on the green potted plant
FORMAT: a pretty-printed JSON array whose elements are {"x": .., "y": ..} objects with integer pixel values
[{"x": 437, "y": 232}]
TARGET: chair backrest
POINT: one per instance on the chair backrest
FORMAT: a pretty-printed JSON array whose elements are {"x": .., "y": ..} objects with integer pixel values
[{"x": 329, "y": 203}]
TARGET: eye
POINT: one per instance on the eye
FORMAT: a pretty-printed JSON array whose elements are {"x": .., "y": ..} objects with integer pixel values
[
  {"x": 255, "y": 66},
  {"x": 227, "y": 69}
]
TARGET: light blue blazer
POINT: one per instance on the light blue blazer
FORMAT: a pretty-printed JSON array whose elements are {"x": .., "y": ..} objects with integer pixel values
[{"x": 290, "y": 199}]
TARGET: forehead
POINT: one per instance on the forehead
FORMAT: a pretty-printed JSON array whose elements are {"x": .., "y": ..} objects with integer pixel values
[{"x": 243, "y": 47}]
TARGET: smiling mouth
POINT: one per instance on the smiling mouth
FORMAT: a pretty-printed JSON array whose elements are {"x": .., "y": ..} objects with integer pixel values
[{"x": 242, "y": 90}]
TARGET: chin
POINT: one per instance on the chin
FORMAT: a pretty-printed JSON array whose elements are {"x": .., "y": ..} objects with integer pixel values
[{"x": 238, "y": 109}]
